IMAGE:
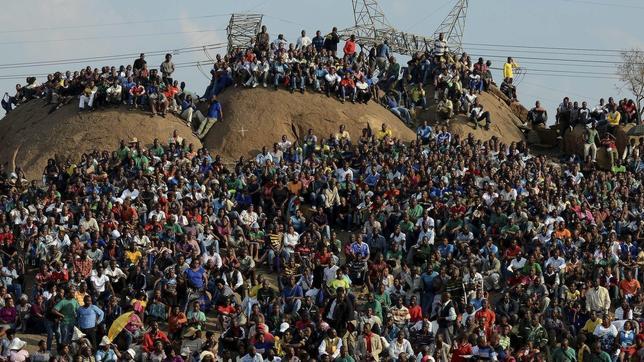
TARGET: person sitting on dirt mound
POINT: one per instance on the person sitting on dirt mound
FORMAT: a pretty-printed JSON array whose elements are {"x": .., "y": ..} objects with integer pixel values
[
  {"x": 478, "y": 114},
  {"x": 509, "y": 90},
  {"x": 215, "y": 114},
  {"x": 445, "y": 109},
  {"x": 538, "y": 115}
]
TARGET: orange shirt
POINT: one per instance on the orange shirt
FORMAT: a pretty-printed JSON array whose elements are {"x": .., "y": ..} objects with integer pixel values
[
  {"x": 629, "y": 287},
  {"x": 488, "y": 314},
  {"x": 562, "y": 234},
  {"x": 176, "y": 322}
]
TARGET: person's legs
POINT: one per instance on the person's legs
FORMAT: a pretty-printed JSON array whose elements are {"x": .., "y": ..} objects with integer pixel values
[
  {"x": 485, "y": 116},
  {"x": 91, "y": 334},
  {"x": 209, "y": 123},
  {"x": 66, "y": 331}
]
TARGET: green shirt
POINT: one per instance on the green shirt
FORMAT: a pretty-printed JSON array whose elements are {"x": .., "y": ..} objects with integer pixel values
[
  {"x": 376, "y": 307},
  {"x": 347, "y": 358},
  {"x": 383, "y": 299},
  {"x": 416, "y": 212},
  {"x": 600, "y": 357},
  {"x": 157, "y": 151},
  {"x": 569, "y": 355},
  {"x": 68, "y": 308},
  {"x": 406, "y": 226},
  {"x": 123, "y": 152}
]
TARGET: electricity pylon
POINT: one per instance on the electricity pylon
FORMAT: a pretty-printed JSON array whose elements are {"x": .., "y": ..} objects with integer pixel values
[{"x": 371, "y": 27}]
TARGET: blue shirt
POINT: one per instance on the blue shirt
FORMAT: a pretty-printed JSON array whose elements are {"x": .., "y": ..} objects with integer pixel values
[
  {"x": 446, "y": 249},
  {"x": 318, "y": 42},
  {"x": 89, "y": 317},
  {"x": 361, "y": 249},
  {"x": 383, "y": 51},
  {"x": 195, "y": 277},
  {"x": 424, "y": 131},
  {"x": 214, "y": 111},
  {"x": 372, "y": 179},
  {"x": 105, "y": 356}
]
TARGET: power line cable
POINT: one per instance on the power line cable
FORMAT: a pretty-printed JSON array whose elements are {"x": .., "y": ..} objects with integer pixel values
[
  {"x": 110, "y": 57},
  {"x": 84, "y": 26},
  {"x": 548, "y": 47},
  {"x": 102, "y": 37}
]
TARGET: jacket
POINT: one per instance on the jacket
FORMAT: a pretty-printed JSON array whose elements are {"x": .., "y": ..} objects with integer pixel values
[{"x": 376, "y": 347}]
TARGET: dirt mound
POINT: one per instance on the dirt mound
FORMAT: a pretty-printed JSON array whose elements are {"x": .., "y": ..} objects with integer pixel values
[
  {"x": 29, "y": 135},
  {"x": 258, "y": 117},
  {"x": 504, "y": 121}
]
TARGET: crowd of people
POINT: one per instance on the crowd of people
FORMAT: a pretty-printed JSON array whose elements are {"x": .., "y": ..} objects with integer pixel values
[
  {"x": 346, "y": 248},
  {"x": 358, "y": 74}
]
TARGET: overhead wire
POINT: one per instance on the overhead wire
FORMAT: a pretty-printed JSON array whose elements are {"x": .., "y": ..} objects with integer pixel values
[
  {"x": 110, "y": 57},
  {"x": 129, "y": 22},
  {"x": 103, "y": 37}
]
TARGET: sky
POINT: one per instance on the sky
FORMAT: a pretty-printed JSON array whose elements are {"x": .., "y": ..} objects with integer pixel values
[{"x": 36, "y": 31}]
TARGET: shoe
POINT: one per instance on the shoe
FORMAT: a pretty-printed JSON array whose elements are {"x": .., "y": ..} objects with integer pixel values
[
  {"x": 292, "y": 90},
  {"x": 265, "y": 85},
  {"x": 302, "y": 90},
  {"x": 254, "y": 85}
]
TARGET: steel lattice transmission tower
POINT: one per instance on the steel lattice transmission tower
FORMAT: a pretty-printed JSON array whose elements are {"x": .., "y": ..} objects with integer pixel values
[
  {"x": 242, "y": 29},
  {"x": 371, "y": 27},
  {"x": 453, "y": 26}
]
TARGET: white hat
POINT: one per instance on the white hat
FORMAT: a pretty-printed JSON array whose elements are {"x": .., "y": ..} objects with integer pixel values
[
  {"x": 131, "y": 352},
  {"x": 105, "y": 341},
  {"x": 17, "y": 344},
  {"x": 77, "y": 334},
  {"x": 204, "y": 354},
  {"x": 284, "y": 326}
]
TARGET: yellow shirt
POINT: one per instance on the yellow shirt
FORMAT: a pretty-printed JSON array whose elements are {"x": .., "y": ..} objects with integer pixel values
[
  {"x": 253, "y": 291},
  {"x": 80, "y": 297},
  {"x": 343, "y": 136},
  {"x": 335, "y": 283},
  {"x": 589, "y": 327},
  {"x": 508, "y": 70},
  {"x": 614, "y": 118},
  {"x": 380, "y": 135},
  {"x": 133, "y": 256}
]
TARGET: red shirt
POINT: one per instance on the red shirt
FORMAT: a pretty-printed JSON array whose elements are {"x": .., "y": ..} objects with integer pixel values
[
  {"x": 489, "y": 315},
  {"x": 149, "y": 339},
  {"x": 462, "y": 350},
  {"x": 349, "y": 47},
  {"x": 416, "y": 313}
]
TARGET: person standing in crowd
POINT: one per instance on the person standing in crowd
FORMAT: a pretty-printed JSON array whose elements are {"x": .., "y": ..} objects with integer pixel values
[{"x": 167, "y": 68}]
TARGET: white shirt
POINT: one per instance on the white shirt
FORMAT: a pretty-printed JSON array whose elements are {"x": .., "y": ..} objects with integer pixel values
[
  {"x": 342, "y": 174},
  {"x": 516, "y": 264},
  {"x": 395, "y": 348},
  {"x": 303, "y": 42},
  {"x": 215, "y": 257},
  {"x": 133, "y": 194},
  {"x": 330, "y": 272},
  {"x": 290, "y": 240},
  {"x": 8, "y": 276},
  {"x": 557, "y": 263},
  {"x": 100, "y": 282},
  {"x": 262, "y": 158}
]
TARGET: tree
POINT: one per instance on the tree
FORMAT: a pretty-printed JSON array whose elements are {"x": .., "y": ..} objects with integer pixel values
[{"x": 631, "y": 73}]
